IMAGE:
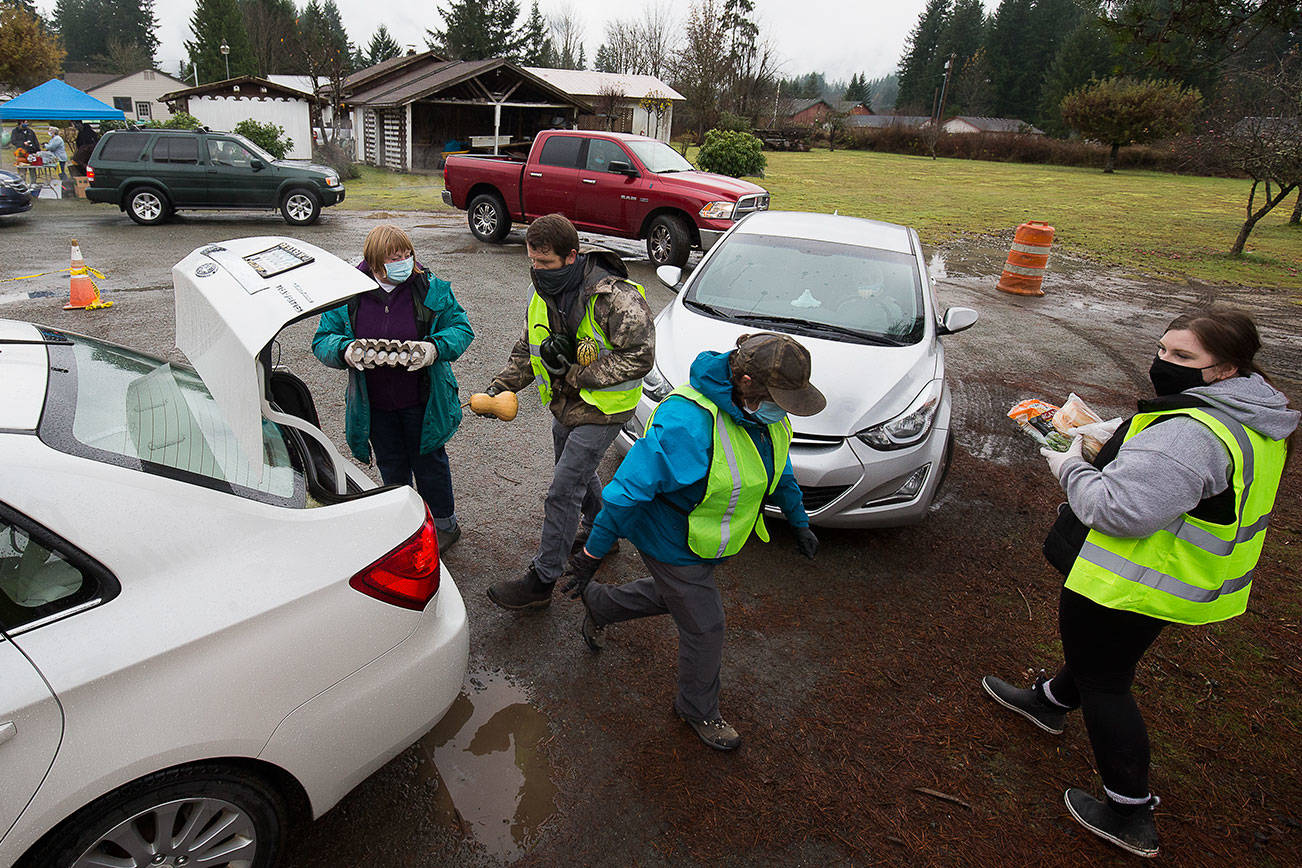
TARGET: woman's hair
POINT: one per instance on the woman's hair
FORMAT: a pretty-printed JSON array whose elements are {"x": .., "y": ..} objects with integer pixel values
[
  {"x": 1229, "y": 336},
  {"x": 382, "y": 242}
]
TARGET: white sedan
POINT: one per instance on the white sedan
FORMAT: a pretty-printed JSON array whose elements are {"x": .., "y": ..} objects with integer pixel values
[
  {"x": 211, "y": 624},
  {"x": 857, "y": 294}
]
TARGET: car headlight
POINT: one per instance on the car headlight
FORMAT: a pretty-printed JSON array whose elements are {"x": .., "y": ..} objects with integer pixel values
[
  {"x": 718, "y": 210},
  {"x": 655, "y": 386},
  {"x": 332, "y": 180},
  {"x": 910, "y": 426}
]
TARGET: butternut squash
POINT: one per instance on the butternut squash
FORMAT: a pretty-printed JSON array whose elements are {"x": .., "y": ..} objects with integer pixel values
[{"x": 504, "y": 406}]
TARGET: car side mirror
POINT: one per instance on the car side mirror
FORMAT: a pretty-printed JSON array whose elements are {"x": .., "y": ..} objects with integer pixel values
[
  {"x": 257, "y": 165},
  {"x": 956, "y": 319},
  {"x": 671, "y": 276},
  {"x": 619, "y": 167}
]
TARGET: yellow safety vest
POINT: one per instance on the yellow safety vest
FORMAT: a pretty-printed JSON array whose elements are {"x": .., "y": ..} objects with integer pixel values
[
  {"x": 736, "y": 483},
  {"x": 617, "y": 398},
  {"x": 1192, "y": 571}
]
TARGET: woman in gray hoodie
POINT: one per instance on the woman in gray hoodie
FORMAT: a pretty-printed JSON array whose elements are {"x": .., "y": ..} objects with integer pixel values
[{"x": 1164, "y": 526}]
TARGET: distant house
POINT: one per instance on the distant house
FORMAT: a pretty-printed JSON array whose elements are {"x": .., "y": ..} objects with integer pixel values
[
  {"x": 624, "y": 93},
  {"x": 909, "y": 122},
  {"x": 967, "y": 124},
  {"x": 408, "y": 111},
  {"x": 139, "y": 95},
  {"x": 220, "y": 105},
  {"x": 809, "y": 112}
]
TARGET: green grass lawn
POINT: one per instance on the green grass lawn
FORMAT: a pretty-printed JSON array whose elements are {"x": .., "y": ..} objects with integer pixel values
[
  {"x": 1172, "y": 226},
  {"x": 1148, "y": 222}
]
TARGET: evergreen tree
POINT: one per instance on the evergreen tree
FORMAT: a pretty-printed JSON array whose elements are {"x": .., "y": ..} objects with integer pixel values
[
  {"x": 382, "y": 47},
  {"x": 923, "y": 66},
  {"x": 272, "y": 31},
  {"x": 536, "y": 40},
  {"x": 964, "y": 34},
  {"x": 29, "y": 54},
  {"x": 604, "y": 61},
  {"x": 477, "y": 29},
  {"x": 213, "y": 22},
  {"x": 94, "y": 32},
  {"x": 583, "y": 58},
  {"x": 882, "y": 92},
  {"x": 1014, "y": 75},
  {"x": 1087, "y": 53},
  {"x": 857, "y": 90}
]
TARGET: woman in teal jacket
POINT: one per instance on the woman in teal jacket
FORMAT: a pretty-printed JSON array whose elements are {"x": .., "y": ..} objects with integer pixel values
[{"x": 405, "y": 413}]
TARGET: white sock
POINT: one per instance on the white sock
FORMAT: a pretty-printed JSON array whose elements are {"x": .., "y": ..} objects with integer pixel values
[
  {"x": 1127, "y": 800},
  {"x": 1048, "y": 694}
]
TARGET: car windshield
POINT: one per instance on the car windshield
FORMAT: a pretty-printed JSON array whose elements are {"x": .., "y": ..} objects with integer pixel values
[
  {"x": 818, "y": 288},
  {"x": 121, "y": 407},
  {"x": 256, "y": 151},
  {"x": 659, "y": 157}
]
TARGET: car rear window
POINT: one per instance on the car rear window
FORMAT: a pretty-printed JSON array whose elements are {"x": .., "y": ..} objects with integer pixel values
[
  {"x": 176, "y": 149},
  {"x": 562, "y": 151},
  {"x": 114, "y": 405},
  {"x": 123, "y": 147},
  {"x": 42, "y": 576}
]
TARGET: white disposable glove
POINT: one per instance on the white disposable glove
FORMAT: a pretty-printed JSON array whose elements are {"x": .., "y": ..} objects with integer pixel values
[
  {"x": 354, "y": 355},
  {"x": 1058, "y": 459},
  {"x": 421, "y": 354},
  {"x": 1101, "y": 431}
]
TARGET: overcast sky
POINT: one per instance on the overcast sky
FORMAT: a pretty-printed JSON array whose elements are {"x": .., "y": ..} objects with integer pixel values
[{"x": 835, "y": 37}]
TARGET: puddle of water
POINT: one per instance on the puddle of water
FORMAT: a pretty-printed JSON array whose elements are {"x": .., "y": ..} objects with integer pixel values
[{"x": 493, "y": 781}]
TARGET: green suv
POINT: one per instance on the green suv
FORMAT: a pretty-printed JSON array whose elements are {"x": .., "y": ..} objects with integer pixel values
[{"x": 151, "y": 173}]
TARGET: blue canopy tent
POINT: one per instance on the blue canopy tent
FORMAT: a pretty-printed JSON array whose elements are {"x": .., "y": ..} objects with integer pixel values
[{"x": 58, "y": 101}]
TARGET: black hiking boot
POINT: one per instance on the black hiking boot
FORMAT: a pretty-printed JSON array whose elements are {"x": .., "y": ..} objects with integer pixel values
[
  {"x": 594, "y": 634},
  {"x": 527, "y": 592},
  {"x": 1027, "y": 702},
  {"x": 717, "y": 733},
  {"x": 1136, "y": 833}
]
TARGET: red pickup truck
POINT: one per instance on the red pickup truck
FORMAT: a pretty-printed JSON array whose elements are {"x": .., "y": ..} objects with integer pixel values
[{"x": 609, "y": 183}]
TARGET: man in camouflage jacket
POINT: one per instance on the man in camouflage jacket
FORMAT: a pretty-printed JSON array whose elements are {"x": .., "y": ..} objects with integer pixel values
[{"x": 568, "y": 280}]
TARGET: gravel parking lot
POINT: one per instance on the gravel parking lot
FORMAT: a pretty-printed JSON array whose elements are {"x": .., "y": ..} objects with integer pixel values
[{"x": 853, "y": 680}]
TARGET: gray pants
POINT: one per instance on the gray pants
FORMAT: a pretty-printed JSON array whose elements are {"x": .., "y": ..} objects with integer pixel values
[
  {"x": 575, "y": 492},
  {"x": 689, "y": 594}
]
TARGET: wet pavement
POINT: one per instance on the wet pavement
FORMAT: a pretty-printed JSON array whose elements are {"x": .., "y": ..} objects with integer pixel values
[{"x": 556, "y": 756}]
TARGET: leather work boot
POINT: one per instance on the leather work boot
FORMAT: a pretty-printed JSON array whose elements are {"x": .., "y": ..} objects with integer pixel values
[
  {"x": 527, "y": 592},
  {"x": 1135, "y": 832},
  {"x": 1026, "y": 701},
  {"x": 717, "y": 733}
]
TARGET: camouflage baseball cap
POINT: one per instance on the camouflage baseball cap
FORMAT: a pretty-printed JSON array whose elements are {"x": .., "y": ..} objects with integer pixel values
[{"x": 780, "y": 364}]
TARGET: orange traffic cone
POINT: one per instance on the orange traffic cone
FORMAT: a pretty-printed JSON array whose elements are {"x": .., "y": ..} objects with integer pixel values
[{"x": 83, "y": 294}]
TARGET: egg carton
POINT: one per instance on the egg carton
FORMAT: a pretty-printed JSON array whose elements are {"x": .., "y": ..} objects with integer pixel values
[{"x": 386, "y": 353}]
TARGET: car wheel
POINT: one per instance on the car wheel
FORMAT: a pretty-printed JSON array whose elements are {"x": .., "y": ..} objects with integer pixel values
[
  {"x": 148, "y": 206},
  {"x": 668, "y": 242},
  {"x": 201, "y": 815},
  {"x": 488, "y": 218},
  {"x": 300, "y": 207}
]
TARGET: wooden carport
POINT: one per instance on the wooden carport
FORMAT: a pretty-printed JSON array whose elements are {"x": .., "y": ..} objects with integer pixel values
[{"x": 408, "y": 109}]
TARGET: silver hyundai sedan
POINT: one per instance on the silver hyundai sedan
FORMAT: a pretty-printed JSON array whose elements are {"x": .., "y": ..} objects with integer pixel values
[{"x": 857, "y": 294}]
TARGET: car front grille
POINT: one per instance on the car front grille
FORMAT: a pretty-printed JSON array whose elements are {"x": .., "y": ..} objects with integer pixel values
[
  {"x": 753, "y": 202},
  {"x": 818, "y": 496}
]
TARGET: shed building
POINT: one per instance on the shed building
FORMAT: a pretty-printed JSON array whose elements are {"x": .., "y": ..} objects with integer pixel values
[{"x": 220, "y": 105}]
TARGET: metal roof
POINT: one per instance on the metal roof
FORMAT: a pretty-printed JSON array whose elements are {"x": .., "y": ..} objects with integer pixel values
[
  {"x": 422, "y": 80},
  {"x": 583, "y": 82},
  {"x": 256, "y": 88}
]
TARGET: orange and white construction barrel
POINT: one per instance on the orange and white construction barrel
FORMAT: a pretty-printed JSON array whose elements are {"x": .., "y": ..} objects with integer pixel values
[{"x": 1027, "y": 259}]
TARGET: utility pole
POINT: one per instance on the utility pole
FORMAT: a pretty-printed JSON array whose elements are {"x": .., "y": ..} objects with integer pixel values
[{"x": 949, "y": 68}]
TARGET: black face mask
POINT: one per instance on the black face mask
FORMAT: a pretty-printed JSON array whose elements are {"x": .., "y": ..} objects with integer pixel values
[
  {"x": 554, "y": 281},
  {"x": 1170, "y": 379}
]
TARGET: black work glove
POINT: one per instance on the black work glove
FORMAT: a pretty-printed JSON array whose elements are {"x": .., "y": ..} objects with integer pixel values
[
  {"x": 583, "y": 567},
  {"x": 806, "y": 542}
]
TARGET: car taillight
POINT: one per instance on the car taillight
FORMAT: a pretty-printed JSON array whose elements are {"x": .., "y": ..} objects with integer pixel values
[
  {"x": 408, "y": 576},
  {"x": 90, "y": 174}
]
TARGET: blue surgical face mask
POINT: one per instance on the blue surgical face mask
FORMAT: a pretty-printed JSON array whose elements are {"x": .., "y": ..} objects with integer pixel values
[
  {"x": 397, "y": 272},
  {"x": 768, "y": 412}
]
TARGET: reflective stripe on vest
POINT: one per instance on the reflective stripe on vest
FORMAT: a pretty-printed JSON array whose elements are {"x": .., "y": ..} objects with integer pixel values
[
  {"x": 1192, "y": 571},
  {"x": 612, "y": 399},
  {"x": 736, "y": 482}
]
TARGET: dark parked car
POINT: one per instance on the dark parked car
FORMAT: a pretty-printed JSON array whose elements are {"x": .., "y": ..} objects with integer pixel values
[
  {"x": 15, "y": 198},
  {"x": 152, "y": 173}
]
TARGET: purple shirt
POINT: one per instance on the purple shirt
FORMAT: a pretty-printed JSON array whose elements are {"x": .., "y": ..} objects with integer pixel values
[{"x": 390, "y": 315}]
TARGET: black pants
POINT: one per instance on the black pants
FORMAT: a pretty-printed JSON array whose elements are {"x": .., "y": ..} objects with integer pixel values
[{"x": 1100, "y": 648}]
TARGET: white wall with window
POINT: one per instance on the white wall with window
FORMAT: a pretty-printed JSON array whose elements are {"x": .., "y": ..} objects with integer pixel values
[
  {"x": 224, "y": 112},
  {"x": 137, "y": 94}
]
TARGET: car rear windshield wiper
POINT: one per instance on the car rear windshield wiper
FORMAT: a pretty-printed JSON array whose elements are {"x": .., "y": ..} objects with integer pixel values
[{"x": 826, "y": 328}]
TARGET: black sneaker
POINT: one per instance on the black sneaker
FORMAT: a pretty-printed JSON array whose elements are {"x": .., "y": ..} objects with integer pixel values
[
  {"x": 717, "y": 733},
  {"x": 1026, "y": 701},
  {"x": 1136, "y": 833},
  {"x": 527, "y": 592},
  {"x": 448, "y": 538},
  {"x": 594, "y": 634}
]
